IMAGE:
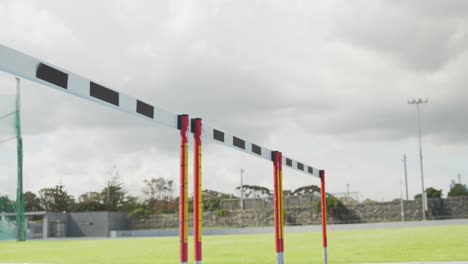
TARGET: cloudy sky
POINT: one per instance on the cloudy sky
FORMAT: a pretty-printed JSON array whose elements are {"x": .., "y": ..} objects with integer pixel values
[{"x": 325, "y": 82}]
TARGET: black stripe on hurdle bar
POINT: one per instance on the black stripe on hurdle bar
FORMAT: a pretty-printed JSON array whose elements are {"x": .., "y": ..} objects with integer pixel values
[
  {"x": 256, "y": 149},
  {"x": 300, "y": 166},
  {"x": 192, "y": 124},
  {"x": 289, "y": 162},
  {"x": 240, "y": 143},
  {"x": 179, "y": 121},
  {"x": 145, "y": 109},
  {"x": 102, "y": 93},
  {"x": 218, "y": 135},
  {"x": 52, "y": 75},
  {"x": 310, "y": 170}
]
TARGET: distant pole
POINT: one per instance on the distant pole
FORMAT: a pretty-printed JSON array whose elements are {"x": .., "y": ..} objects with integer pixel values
[
  {"x": 401, "y": 203},
  {"x": 423, "y": 195},
  {"x": 459, "y": 178},
  {"x": 347, "y": 192},
  {"x": 406, "y": 177},
  {"x": 242, "y": 189},
  {"x": 108, "y": 195}
]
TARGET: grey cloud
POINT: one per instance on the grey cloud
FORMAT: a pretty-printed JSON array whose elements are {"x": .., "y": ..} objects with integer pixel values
[
  {"x": 451, "y": 9},
  {"x": 335, "y": 70},
  {"x": 421, "y": 41},
  {"x": 246, "y": 71},
  {"x": 192, "y": 73}
]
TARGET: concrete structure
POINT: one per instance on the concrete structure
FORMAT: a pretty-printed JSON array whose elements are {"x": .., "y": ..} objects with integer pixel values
[
  {"x": 81, "y": 224},
  {"x": 95, "y": 224}
]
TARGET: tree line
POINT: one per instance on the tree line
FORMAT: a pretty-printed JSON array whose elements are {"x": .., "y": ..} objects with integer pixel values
[
  {"x": 456, "y": 189},
  {"x": 158, "y": 198}
]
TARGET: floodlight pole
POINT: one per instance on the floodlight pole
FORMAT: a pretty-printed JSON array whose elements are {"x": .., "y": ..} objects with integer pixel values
[
  {"x": 196, "y": 127},
  {"x": 323, "y": 206},
  {"x": 423, "y": 194},
  {"x": 278, "y": 206},
  {"x": 182, "y": 124},
  {"x": 406, "y": 176},
  {"x": 21, "y": 235}
]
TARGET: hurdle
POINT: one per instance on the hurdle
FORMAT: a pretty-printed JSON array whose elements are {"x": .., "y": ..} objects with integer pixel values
[{"x": 33, "y": 69}]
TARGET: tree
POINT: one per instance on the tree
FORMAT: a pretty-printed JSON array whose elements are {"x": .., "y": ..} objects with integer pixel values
[
  {"x": 46, "y": 197},
  {"x": 6, "y": 205},
  {"x": 433, "y": 193},
  {"x": 130, "y": 203},
  {"x": 212, "y": 199},
  {"x": 255, "y": 191},
  {"x": 307, "y": 190},
  {"x": 114, "y": 197},
  {"x": 32, "y": 203},
  {"x": 159, "y": 195},
  {"x": 115, "y": 193},
  {"x": 90, "y": 201},
  {"x": 430, "y": 193},
  {"x": 457, "y": 189},
  {"x": 56, "y": 199},
  {"x": 335, "y": 207},
  {"x": 158, "y": 189},
  {"x": 287, "y": 193}
]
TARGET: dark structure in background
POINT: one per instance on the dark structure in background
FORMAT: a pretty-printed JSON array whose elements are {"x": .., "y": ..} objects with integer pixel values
[{"x": 82, "y": 224}]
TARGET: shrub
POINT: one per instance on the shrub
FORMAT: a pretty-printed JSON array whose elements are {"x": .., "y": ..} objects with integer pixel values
[
  {"x": 221, "y": 213},
  {"x": 140, "y": 213},
  {"x": 335, "y": 207}
]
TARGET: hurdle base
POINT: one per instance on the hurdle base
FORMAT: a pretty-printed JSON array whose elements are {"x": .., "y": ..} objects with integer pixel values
[
  {"x": 325, "y": 256},
  {"x": 279, "y": 258}
]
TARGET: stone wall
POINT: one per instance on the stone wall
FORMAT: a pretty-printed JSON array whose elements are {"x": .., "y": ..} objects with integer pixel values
[
  {"x": 267, "y": 203},
  {"x": 456, "y": 207},
  {"x": 357, "y": 213}
]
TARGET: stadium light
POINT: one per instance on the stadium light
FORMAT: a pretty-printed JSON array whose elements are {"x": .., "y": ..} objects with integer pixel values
[{"x": 423, "y": 194}]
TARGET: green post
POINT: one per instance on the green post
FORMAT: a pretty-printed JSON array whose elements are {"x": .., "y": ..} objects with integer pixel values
[{"x": 21, "y": 236}]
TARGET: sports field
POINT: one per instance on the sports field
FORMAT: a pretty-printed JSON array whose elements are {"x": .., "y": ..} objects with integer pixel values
[{"x": 439, "y": 243}]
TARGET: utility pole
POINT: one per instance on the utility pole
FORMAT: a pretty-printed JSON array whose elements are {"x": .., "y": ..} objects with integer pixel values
[
  {"x": 108, "y": 195},
  {"x": 459, "y": 178},
  {"x": 242, "y": 189},
  {"x": 347, "y": 192},
  {"x": 423, "y": 194},
  {"x": 406, "y": 176},
  {"x": 401, "y": 203}
]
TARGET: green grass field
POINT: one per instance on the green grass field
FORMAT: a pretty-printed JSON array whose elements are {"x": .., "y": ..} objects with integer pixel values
[{"x": 448, "y": 243}]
